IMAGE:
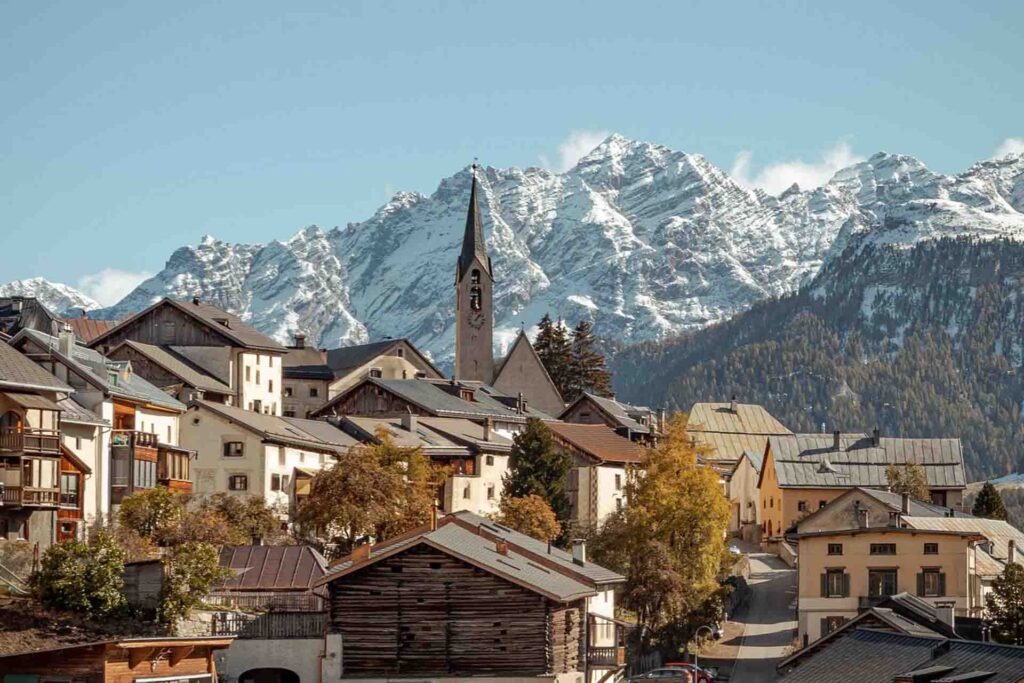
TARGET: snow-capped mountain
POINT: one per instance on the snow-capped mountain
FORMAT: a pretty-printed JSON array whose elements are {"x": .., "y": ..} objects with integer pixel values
[
  {"x": 645, "y": 241},
  {"x": 59, "y": 298}
]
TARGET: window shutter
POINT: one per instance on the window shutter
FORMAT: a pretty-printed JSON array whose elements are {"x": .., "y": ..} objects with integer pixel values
[
  {"x": 846, "y": 585},
  {"x": 824, "y": 586},
  {"x": 920, "y": 584},
  {"x": 942, "y": 584},
  {"x": 824, "y": 627}
]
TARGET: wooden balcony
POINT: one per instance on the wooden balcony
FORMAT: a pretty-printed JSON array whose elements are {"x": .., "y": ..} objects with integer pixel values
[
  {"x": 606, "y": 657},
  {"x": 25, "y": 496},
  {"x": 29, "y": 440}
]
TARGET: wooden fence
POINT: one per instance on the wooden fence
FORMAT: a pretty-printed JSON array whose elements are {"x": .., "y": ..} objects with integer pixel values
[{"x": 269, "y": 626}]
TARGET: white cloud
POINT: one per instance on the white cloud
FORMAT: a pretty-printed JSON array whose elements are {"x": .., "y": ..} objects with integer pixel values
[
  {"x": 1010, "y": 146},
  {"x": 577, "y": 145},
  {"x": 110, "y": 285},
  {"x": 776, "y": 178}
]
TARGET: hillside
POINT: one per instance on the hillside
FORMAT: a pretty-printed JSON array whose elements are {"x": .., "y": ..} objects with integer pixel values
[{"x": 924, "y": 341}]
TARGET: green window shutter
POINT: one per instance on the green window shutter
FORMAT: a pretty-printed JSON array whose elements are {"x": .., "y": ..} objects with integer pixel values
[
  {"x": 920, "y": 584},
  {"x": 824, "y": 585},
  {"x": 824, "y": 626},
  {"x": 942, "y": 584},
  {"x": 846, "y": 585}
]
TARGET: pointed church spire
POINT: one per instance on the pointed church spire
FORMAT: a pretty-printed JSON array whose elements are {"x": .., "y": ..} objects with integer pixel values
[{"x": 473, "y": 244}]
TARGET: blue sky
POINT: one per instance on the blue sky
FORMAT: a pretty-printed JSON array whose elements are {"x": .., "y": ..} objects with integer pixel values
[{"x": 129, "y": 129}]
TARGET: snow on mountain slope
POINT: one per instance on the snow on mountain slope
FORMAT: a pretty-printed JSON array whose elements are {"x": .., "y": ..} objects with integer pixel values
[
  {"x": 645, "y": 241},
  {"x": 59, "y": 298}
]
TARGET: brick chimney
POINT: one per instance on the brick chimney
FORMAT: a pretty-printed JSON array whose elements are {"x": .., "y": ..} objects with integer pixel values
[{"x": 501, "y": 547}]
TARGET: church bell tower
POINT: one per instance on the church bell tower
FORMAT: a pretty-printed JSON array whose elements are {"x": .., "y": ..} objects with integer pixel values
[{"x": 474, "y": 308}]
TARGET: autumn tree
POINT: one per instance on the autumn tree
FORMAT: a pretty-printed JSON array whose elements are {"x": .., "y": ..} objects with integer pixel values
[
  {"x": 372, "y": 491},
  {"x": 989, "y": 503},
  {"x": 82, "y": 576},
  {"x": 669, "y": 541},
  {"x": 588, "y": 371},
  {"x": 537, "y": 467},
  {"x": 153, "y": 513},
  {"x": 910, "y": 479},
  {"x": 250, "y": 518},
  {"x": 1005, "y": 605},
  {"x": 191, "y": 571},
  {"x": 555, "y": 351},
  {"x": 530, "y": 515}
]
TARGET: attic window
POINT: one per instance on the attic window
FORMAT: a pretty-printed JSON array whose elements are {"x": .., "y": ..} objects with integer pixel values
[
  {"x": 112, "y": 378},
  {"x": 222, "y": 321}
]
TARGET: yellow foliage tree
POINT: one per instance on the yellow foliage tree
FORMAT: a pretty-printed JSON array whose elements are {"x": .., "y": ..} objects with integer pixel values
[{"x": 530, "y": 515}]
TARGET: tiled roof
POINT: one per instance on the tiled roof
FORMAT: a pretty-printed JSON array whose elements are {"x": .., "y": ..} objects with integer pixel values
[
  {"x": 19, "y": 372},
  {"x": 96, "y": 367},
  {"x": 599, "y": 441},
  {"x": 307, "y": 434},
  {"x": 811, "y": 460},
  {"x": 179, "y": 366},
  {"x": 747, "y": 418},
  {"x": 455, "y": 540},
  {"x": 590, "y": 571},
  {"x": 998, "y": 532},
  {"x": 268, "y": 568},
  {"x": 88, "y": 329}
]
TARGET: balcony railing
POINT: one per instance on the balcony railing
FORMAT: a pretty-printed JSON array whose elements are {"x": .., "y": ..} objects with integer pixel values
[
  {"x": 606, "y": 657},
  {"x": 29, "y": 440},
  {"x": 270, "y": 626},
  {"x": 15, "y": 496},
  {"x": 130, "y": 437}
]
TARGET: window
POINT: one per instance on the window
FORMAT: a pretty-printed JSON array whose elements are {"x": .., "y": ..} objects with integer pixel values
[
  {"x": 257, "y": 361},
  {"x": 248, "y": 373},
  {"x": 69, "y": 489},
  {"x": 771, "y": 502},
  {"x": 234, "y": 449},
  {"x": 821, "y": 504},
  {"x": 302, "y": 457},
  {"x": 78, "y": 443},
  {"x": 275, "y": 482},
  {"x": 801, "y": 506},
  {"x": 830, "y": 624},
  {"x": 931, "y": 548},
  {"x": 287, "y": 392},
  {"x": 881, "y": 582},
  {"x": 257, "y": 377},
  {"x": 376, "y": 372},
  {"x": 489, "y": 460},
  {"x": 618, "y": 482},
  {"x": 288, "y": 412},
  {"x": 400, "y": 352},
  {"x": 168, "y": 433},
  {"x": 257, "y": 406},
  {"x": 883, "y": 548},
  {"x": 835, "y": 583},
  {"x": 313, "y": 392},
  {"x": 238, "y": 482},
  {"x": 145, "y": 474},
  {"x": 835, "y": 548},
  {"x": 270, "y": 385},
  {"x": 618, "y": 503},
  {"x": 466, "y": 492},
  {"x": 282, "y": 457},
  {"x": 490, "y": 492},
  {"x": 931, "y": 583},
  {"x": 474, "y": 277},
  {"x": 475, "y": 298}
]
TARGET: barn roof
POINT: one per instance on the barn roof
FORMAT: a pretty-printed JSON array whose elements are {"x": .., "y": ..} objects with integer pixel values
[{"x": 272, "y": 567}]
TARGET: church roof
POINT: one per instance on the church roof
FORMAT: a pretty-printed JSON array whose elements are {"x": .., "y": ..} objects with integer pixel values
[{"x": 474, "y": 248}]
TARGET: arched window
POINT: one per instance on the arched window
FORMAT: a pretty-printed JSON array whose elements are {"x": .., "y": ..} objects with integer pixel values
[
  {"x": 474, "y": 277},
  {"x": 475, "y": 299},
  {"x": 10, "y": 422}
]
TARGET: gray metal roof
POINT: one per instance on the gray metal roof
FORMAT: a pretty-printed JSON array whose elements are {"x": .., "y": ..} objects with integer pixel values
[
  {"x": 918, "y": 508},
  {"x": 73, "y": 412},
  {"x": 179, "y": 366},
  {"x": 747, "y": 418},
  {"x": 998, "y": 532},
  {"x": 311, "y": 435},
  {"x": 432, "y": 442},
  {"x": 481, "y": 552},
  {"x": 811, "y": 460},
  {"x": 589, "y": 570},
  {"x": 17, "y": 371}
]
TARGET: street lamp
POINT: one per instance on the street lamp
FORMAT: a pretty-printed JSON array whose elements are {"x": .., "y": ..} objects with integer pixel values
[{"x": 715, "y": 634}]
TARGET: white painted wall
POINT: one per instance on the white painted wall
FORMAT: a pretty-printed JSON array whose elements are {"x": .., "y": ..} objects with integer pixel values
[
  {"x": 484, "y": 487},
  {"x": 299, "y": 655},
  {"x": 261, "y": 381},
  {"x": 85, "y": 441},
  {"x": 164, "y": 425}
]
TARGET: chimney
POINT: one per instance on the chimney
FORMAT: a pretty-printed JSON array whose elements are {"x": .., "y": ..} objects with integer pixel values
[
  {"x": 300, "y": 340},
  {"x": 1011, "y": 552},
  {"x": 876, "y": 436},
  {"x": 195, "y": 301},
  {"x": 520, "y": 404},
  {"x": 905, "y": 504},
  {"x": 66, "y": 341},
  {"x": 945, "y": 614},
  {"x": 732, "y": 405},
  {"x": 662, "y": 417},
  {"x": 433, "y": 517},
  {"x": 487, "y": 429},
  {"x": 579, "y": 551},
  {"x": 361, "y": 553},
  {"x": 409, "y": 422},
  {"x": 501, "y": 547},
  {"x": 835, "y": 440}
]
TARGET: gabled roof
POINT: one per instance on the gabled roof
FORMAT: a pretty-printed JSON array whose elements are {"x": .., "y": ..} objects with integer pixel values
[
  {"x": 811, "y": 460},
  {"x": 432, "y": 443},
  {"x": 311, "y": 435},
  {"x": 227, "y": 325},
  {"x": 622, "y": 414},
  {"x": 95, "y": 368},
  {"x": 73, "y": 412},
  {"x": 305, "y": 363},
  {"x": 19, "y": 372},
  {"x": 744, "y": 418},
  {"x": 88, "y": 329},
  {"x": 599, "y": 441},
  {"x": 174, "y": 363},
  {"x": 893, "y": 502},
  {"x": 468, "y": 433},
  {"x": 998, "y": 532},
  {"x": 79, "y": 464},
  {"x": 461, "y": 543},
  {"x": 270, "y": 568},
  {"x": 344, "y": 360},
  {"x": 589, "y": 571},
  {"x": 523, "y": 345}
]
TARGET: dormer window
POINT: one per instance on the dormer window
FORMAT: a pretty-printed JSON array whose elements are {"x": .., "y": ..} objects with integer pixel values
[
  {"x": 112, "y": 378},
  {"x": 222, "y": 321}
]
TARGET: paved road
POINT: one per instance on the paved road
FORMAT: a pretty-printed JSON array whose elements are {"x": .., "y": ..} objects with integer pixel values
[{"x": 757, "y": 638}]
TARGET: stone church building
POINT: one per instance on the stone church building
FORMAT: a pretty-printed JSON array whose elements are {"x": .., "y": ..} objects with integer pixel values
[{"x": 521, "y": 371}]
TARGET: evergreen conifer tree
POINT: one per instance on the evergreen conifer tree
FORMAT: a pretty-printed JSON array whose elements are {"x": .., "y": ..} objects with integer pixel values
[
  {"x": 536, "y": 467},
  {"x": 989, "y": 503},
  {"x": 555, "y": 351},
  {"x": 587, "y": 370},
  {"x": 1005, "y": 605}
]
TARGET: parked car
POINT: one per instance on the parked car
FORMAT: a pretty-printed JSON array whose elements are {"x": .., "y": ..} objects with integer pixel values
[{"x": 676, "y": 673}]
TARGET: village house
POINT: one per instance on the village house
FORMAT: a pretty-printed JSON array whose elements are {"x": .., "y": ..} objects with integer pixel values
[
  {"x": 125, "y": 429},
  {"x": 459, "y": 601},
  {"x": 633, "y": 422},
  {"x": 312, "y": 376},
  {"x": 732, "y": 438},
  {"x": 30, "y": 449},
  {"x": 802, "y": 473},
  {"x": 119, "y": 660},
  {"x": 475, "y": 456},
  {"x": 201, "y": 342},
  {"x": 601, "y": 459},
  {"x": 248, "y": 453}
]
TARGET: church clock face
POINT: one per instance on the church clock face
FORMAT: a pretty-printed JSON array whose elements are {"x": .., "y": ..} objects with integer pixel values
[{"x": 475, "y": 319}]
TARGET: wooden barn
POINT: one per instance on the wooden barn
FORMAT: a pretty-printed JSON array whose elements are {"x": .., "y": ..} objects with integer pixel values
[{"x": 451, "y": 603}]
